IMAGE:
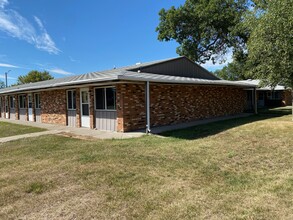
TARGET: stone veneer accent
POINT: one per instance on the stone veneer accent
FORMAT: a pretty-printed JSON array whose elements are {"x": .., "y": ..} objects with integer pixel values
[
  {"x": 172, "y": 104},
  {"x": 54, "y": 107}
]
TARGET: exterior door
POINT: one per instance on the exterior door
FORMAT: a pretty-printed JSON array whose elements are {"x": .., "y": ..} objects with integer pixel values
[
  {"x": 261, "y": 99},
  {"x": 30, "y": 107},
  {"x": 85, "y": 108}
]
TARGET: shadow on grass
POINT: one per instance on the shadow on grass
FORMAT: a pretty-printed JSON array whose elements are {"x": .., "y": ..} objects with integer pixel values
[{"x": 206, "y": 130}]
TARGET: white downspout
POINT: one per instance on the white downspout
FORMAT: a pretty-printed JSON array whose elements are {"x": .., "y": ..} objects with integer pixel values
[{"x": 148, "y": 116}]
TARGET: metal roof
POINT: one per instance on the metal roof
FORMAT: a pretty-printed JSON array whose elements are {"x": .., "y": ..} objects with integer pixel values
[
  {"x": 256, "y": 82},
  {"x": 123, "y": 73}
]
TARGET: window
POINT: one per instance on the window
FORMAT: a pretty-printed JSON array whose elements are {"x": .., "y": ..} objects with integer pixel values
[
  {"x": 37, "y": 101},
  {"x": 22, "y": 101},
  {"x": 30, "y": 101},
  {"x": 85, "y": 103},
  {"x": 274, "y": 95},
  {"x": 105, "y": 98},
  {"x": 11, "y": 101},
  {"x": 71, "y": 100}
]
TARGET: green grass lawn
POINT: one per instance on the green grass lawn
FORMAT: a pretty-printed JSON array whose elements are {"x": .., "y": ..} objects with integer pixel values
[
  {"x": 9, "y": 129},
  {"x": 236, "y": 169}
]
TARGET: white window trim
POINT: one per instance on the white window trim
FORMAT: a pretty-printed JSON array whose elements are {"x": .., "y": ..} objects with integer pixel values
[
  {"x": 71, "y": 90},
  {"x": 103, "y": 110}
]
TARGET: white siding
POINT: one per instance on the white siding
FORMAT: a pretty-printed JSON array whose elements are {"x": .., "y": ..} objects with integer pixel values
[
  {"x": 71, "y": 118},
  {"x": 106, "y": 120},
  {"x": 22, "y": 114},
  {"x": 38, "y": 115}
]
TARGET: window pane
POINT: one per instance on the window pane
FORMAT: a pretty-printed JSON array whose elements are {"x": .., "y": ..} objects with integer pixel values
[
  {"x": 11, "y": 102},
  {"x": 100, "y": 98},
  {"x": 85, "y": 109},
  {"x": 21, "y": 101},
  {"x": 37, "y": 101},
  {"x": 69, "y": 99},
  {"x": 74, "y": 99},
  {"x": 84, "y": 97},
  {"x": 30, "y": 104},
  {"x": 111, "y": 98}
]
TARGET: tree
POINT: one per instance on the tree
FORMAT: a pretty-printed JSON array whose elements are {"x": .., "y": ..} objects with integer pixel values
[
  {"x": 205, "y": 29},
  {"x": 34, "y": 76},
  {"x": 2, "y": 84},
  {"x": 270, "y": 45},
  {"x": 233, "y": 71}
]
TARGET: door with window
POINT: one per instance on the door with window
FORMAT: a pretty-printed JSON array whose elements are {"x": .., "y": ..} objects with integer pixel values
[
  {"x": 71, "y": 108},
  {"x": 38, "y": 108},
  {"x": 85, "y": 108},
  {"x": 30, "y": 107},
  {"x": 12, "y": 107}
]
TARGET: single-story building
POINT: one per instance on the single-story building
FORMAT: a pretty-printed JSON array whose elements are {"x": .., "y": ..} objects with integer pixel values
[
  {"x": 124, "y": 99},
  {"x": 270, "y": 97}
]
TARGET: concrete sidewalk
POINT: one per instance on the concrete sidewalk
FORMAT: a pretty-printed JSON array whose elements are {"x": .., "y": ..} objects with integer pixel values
[{"x": 86, "y": 133}]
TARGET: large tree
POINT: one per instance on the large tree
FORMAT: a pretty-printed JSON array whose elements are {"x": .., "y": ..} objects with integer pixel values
[
  {"x": 270, "y": 46},
  {"x": 34, "y": 76},
  {"x": 205, "y": 29}
]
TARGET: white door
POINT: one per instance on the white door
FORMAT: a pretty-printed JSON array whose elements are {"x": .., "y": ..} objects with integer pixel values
[
  {"x": 30, "y": 107},
  {"x": 85, "y": 108}
]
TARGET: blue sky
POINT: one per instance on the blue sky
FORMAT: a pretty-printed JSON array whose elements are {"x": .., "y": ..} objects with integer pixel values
[{"x": 68, "y": 37}]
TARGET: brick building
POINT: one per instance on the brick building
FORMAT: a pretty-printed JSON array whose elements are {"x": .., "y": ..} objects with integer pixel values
[
  {"x": 129, "y": 98},
  {"x": 270, "y": 97}
]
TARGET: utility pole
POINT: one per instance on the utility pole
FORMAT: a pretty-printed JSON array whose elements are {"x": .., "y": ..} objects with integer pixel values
[{"x": 6, "y": 84}]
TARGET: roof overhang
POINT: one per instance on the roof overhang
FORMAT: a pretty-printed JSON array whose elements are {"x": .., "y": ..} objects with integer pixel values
[{"x": 123, "y": 76}]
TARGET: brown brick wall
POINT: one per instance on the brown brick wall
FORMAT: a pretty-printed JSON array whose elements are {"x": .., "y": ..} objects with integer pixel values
[
  {"x": 53, "y": 107},
  {"x": 130, "y": 102},
  {"x": 172, "y": 104}
]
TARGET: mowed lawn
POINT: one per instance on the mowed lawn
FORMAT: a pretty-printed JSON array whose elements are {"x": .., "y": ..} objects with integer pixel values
[
  {"x": 236, "y": 169},
  {"x": 9, "y": 129}
]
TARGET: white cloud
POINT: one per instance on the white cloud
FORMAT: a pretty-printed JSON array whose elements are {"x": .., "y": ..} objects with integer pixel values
[
  {"x": 8, "y": 65},
  {"x": 60, "y": 71},
  {"x": 8, "y": 77},
  {"x": 3, "y": 3},
  {"x": 13, "y": 24},
  {"x": 73, "y": 60}
]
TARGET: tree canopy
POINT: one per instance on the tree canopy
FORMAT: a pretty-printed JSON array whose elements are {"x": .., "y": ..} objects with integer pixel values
[
  {"x": 270, "y": 46},
  {"x": 204, "y": 29},
  {"x": 259, "y": 32},
  {"x": 34, "y": 76},
  {"x": 2, "y": 84},
  {"x": 233, "y": 71}
]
